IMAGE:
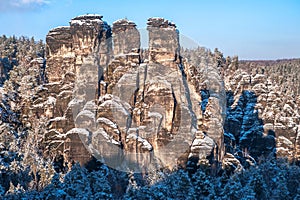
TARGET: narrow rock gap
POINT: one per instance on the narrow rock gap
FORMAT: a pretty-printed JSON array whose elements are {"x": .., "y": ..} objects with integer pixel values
[{"x": 187, "y": 95}]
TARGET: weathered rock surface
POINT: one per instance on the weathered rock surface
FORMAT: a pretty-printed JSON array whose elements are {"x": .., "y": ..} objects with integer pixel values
[
  {"x": 163, "y": 41},
  {"x": 126, "y": 38},
  {"x": 138, "y": 115},
  {"x": 60, "y": 58}
]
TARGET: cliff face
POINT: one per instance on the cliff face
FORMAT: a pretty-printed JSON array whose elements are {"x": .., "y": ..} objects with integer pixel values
[
  {"x": 130, "y": 114},
  {"x": 77, "y": 59}
]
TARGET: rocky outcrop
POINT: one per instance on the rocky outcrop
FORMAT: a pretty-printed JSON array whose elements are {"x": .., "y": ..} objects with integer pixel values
[
  {"x": 126, "y": 38},
  {"x": 163, "y": 41},
  {"x": 74, "y": 55},
  {"x": 130, "y": 113},
  {"x": 60, "y": 57}
]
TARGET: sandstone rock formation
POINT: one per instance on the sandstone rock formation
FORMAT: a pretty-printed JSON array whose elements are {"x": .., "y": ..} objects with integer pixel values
[
  {"x": 130, "y": 115},
  {"x": 163, "y": 40},
  {"x": 74, "y": 55}
]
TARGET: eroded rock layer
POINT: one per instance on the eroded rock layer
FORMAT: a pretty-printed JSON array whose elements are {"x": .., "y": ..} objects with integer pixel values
[{"x": 130, "y": 114}]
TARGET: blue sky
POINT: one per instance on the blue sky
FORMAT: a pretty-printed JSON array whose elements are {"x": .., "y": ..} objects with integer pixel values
[{"x": 251, "y": 29}]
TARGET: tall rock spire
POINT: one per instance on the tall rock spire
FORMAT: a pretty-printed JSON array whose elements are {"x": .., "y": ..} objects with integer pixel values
[
  {"x": 126, "y": 37},
  {"x": 163, "y": 41}
]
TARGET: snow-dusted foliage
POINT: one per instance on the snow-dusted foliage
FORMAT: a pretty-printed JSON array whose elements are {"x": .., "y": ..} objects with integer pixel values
[
  {"x": 270, "y": 180},
  {"x": 15, "y": 51}
]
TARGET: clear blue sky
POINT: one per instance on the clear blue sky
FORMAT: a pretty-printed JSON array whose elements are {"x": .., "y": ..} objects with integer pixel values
[{"x": 251, "y": 29}]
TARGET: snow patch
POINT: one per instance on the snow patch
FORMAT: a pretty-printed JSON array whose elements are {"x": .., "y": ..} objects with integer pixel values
[
  {"x": 146, "y": 144},
  {"x": 86, "y": 113},
  {"x": 75, "y": 102},
  {"x": 107, "y": 122},
  {"x": 108, "y": 137},
  {"x": 155, "y": 114},
  {"x": 80, "y": 131},
  {"x": 285, "y": 141},
  {"x": 56, "y": 119},
  {"x": 51, "y": 100}
]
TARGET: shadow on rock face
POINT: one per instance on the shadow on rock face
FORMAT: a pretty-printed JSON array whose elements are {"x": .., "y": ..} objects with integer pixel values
[{"x": 244, "y": 130}]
